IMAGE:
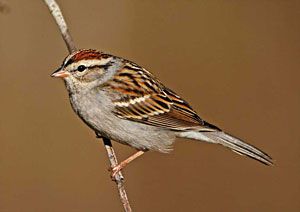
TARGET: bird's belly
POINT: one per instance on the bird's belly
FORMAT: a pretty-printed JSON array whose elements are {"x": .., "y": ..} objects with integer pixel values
[{"x": 100, "y": 118}]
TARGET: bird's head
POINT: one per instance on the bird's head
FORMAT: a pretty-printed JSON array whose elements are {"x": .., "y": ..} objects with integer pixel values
[{"x": 86, "y": 68}]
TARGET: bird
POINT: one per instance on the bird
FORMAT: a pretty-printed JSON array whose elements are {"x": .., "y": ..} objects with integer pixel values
[{"x": 124, "y": 102}]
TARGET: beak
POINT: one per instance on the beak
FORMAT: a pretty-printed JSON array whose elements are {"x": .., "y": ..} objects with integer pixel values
[{"x": 59, "y": 73}]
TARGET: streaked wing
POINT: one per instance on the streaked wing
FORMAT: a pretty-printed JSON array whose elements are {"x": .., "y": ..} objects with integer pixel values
[{"x": 145, "y": 99}]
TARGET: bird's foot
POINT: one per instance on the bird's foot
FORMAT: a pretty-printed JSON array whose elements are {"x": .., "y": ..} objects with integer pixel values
[{"x": 115, "y": 170}]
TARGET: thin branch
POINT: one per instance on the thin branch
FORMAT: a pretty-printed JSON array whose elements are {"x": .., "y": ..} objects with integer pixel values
[
  {"x": 61, "y": 23},
  {"x": 119, "y": 179}
]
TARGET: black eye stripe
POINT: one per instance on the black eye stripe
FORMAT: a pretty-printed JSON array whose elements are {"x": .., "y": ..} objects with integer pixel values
[
  {"x": 81, "y": 68},
  {"x": 105, "y": 66}
]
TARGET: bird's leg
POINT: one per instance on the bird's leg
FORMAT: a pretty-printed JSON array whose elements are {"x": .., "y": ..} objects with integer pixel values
[
  {"x": 121, "y": 165},
  {"x": 115, "y": 169}
]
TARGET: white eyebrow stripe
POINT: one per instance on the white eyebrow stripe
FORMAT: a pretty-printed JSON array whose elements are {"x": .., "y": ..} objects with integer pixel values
[{"x": 89, "y": 63}]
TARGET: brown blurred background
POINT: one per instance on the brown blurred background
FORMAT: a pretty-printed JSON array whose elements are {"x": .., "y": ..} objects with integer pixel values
[{"x": 236, "y": 62}]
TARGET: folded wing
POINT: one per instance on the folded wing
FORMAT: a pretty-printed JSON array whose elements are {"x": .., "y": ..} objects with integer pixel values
[{"x": 144, "y": 99}]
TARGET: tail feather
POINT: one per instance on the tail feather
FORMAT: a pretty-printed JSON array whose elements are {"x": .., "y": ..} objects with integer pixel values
[{"x": 232, "y": 143}]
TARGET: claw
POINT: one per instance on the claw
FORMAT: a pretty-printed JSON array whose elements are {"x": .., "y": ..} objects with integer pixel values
[{"x": 114, "y": 171}]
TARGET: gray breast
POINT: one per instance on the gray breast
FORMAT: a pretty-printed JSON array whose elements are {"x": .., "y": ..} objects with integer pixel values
[{"x": 95, "y": 109}]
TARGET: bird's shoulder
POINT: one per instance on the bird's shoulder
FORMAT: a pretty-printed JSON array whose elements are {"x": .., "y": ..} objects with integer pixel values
[{"x": 142, "y": 97}]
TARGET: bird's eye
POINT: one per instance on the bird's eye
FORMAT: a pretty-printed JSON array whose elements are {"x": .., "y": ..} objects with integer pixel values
[{"x": 81, "y": 68}]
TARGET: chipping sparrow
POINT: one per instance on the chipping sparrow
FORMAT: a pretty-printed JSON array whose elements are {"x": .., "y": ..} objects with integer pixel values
[{"x": 124, "y": 102}]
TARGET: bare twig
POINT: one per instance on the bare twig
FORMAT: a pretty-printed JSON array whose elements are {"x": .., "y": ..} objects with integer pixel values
[
  {"x": 119, "y": 179},
  {"x": 62, "y": 25},
  {"x": 60, "y": 21}
]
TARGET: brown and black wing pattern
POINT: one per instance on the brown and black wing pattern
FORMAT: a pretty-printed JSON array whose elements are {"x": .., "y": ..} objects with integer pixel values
[{"x": 145, "y": 99}]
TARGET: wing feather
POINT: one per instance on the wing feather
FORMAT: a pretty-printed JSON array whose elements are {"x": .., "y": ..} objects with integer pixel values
[{"x": 143, "y": 98}]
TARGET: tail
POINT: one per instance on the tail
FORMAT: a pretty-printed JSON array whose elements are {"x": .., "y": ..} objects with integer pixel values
[{"x": 234, "y": 144}]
